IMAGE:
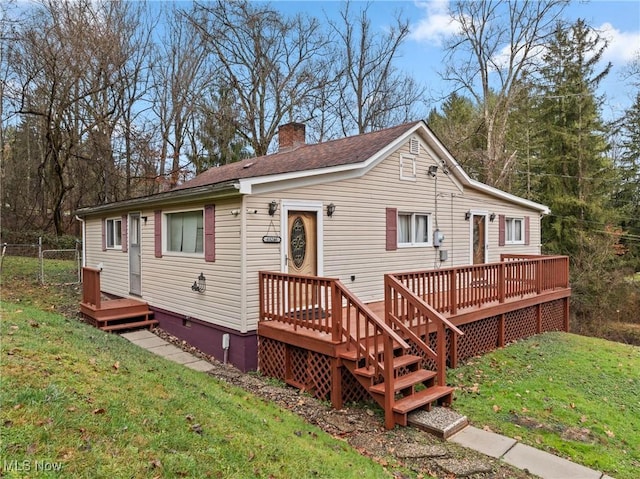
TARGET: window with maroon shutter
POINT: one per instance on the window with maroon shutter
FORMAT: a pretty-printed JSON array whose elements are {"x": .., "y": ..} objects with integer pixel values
[
  {"x": 209, "y": 233},
  {"x": 501, "y": 230},
  {"x": 125, "y": 230},
  {"x": 157, "y": 233},
  {"x": 104, "y": 234},
  {"x": 392, "y": 229},
  {"x": 526, "y": 230}
]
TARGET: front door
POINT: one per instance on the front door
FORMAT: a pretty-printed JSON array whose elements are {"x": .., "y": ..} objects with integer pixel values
[
  {"x": 479, "y": 239},
  {"x": 302, "y": 255},
  {"x": 302, "y": 258},
  {"x": 135, "y": 286}
]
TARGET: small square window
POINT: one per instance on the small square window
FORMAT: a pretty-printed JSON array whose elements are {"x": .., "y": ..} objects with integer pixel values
[
  {"x": 114, "y": 233},
  {"x": 514, "y": 229}
]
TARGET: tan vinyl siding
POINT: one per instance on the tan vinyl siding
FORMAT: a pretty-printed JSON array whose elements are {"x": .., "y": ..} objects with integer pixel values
[
  {"x": 354, "y": 238},
  {"x": 166, "y": 281}
]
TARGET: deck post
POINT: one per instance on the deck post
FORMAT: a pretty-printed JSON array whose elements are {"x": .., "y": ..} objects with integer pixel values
[
  {"x": 442, "y": 354},
  {"x": 453, "y": 352},
  {"x": 389, "y": 387},
  {"x": 336, "y": 383},
  {"x": 453, "y": 291},
  {"x": 539, "y": 319},
  {"x": 501, "y": 280},
  {"x": 501, "y": 331},
  {"x": 336, "y": 313},
  {"x": 566, "y": 314}
]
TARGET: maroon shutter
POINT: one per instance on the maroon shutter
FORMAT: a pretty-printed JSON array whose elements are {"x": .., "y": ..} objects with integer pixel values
[
  {"x": 209, "y": 233},
  {"x": 502, "y": 222},
  {"x": 526, "y": 230},
  {"x": 104, "y": 234},
  {"x": 124, "y": 230},
  {"x": 157, "y": 232},
  {"x": 392, "y": 229}
]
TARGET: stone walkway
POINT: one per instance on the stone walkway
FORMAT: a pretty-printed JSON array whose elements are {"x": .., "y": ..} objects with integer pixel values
[{"x": 521, "y": 456}]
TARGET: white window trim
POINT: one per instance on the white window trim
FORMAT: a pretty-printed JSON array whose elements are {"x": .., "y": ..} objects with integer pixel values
[
  {"x": 412, "y": 235},
  {"x": 509, "y": 225},
  {"x": 106, "y": 232},
  {"x": 408, "y": 162},
  {"x": 165, "y": 234}
]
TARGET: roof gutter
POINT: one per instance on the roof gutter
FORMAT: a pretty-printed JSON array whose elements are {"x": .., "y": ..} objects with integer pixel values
[{"x": 220, "y": 190}]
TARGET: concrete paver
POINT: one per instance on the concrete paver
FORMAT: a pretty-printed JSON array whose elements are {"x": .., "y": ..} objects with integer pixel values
[
  {"x": 138, "y": 335},
  {"x": 488, "y": 443},
  {"x": 545, "y": 465},
  {"x": 166, "y": 350},
  {"x": 149, "y": 342},
  {"x": 200, "y": 365},
  {"x": 183, "y": 358}
]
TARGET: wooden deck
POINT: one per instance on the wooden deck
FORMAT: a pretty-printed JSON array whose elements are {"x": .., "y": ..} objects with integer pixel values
[
  {"x": 112, "y": 314},
  {"x": 427, "y": 321}
]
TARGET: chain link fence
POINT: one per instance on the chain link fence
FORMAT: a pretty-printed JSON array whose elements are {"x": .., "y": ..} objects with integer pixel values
[{"x": 46, "y": 266}]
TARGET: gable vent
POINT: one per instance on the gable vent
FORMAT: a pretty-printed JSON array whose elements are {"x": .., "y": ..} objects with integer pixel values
[{"x": 414, "y": 146}]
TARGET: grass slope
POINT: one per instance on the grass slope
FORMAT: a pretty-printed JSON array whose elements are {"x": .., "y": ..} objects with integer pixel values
[
  {"x": 97, "y": 406},
  {"x": 575, "y": 396}
]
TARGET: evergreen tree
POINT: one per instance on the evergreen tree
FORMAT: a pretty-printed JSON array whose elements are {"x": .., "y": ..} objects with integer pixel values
[
  {"x": 627, "y": 198},
  {"x": 575, "y": 176}
]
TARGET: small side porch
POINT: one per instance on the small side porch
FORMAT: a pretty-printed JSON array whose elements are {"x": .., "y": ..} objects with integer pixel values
[
  {"x": 316, "y": 335},
  {"x": 112, "y": 314}
]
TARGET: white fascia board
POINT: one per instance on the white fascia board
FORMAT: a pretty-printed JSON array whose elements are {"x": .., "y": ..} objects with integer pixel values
[{"x": 509, "y": 197}]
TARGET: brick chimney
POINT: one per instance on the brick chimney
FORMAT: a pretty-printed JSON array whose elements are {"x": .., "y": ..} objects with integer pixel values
[{"x": 291, "y": 136}]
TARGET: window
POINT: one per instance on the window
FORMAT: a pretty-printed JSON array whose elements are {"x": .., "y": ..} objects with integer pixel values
[
  {"x": 114, "y": 233},
  {"x": 514, "y": 229},
  {"x": 413, "y": 229},
  {"x": 185, "y": 232},
  {"x": 407, "y": 167}
]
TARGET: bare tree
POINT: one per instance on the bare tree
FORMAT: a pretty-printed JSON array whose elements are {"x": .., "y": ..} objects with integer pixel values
[
  {"x": 180, "y": 75},
  {"x": 498, "y": 45},
  {"x": 267, "y": 61},
  {"x": 373, "y": 93}
]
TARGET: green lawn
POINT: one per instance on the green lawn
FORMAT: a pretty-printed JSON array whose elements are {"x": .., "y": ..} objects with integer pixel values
[
  {"x": 97, "y": 406},
  {"x": 574, "y": 396}
]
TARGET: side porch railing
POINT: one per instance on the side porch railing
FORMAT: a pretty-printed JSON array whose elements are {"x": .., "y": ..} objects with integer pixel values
[{"x": 449, "y": 290}]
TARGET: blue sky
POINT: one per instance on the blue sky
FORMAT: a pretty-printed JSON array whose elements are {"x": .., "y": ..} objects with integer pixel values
[{"x": 422, "y": 54}]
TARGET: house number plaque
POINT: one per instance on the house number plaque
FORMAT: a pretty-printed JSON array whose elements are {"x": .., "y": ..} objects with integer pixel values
[{"x": 271, "y": 239}]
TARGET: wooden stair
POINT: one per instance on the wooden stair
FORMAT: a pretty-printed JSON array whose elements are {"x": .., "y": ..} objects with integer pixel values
[
  {"x": 413, "y": 387},
  {"x": 119, "y": 314},
  {"x": 112, "y": 314}
]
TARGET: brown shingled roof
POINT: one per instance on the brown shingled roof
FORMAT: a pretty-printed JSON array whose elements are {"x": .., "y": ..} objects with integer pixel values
[{"x": 354, "y": 149}]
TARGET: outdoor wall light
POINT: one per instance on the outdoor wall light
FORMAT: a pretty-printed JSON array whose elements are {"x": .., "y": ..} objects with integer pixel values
[
  {"x": 331, "y": 208},
  {"x": 433, "y": 169},
  {"x": 200, "y": 285},
  {"x": 492, "y": 217},
  {"x": 144, "y": 218},
  {"x": 273, "y": 207},
  {"x": 467, "y": 215}
]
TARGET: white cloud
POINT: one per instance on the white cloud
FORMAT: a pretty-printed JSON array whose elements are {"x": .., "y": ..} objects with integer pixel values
[
  {"x": 623, "y": 46},
  {"x": 436, "y": 25}
]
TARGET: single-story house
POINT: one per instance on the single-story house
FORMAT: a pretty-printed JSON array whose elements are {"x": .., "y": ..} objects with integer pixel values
[{"x": 352, "y": 209}]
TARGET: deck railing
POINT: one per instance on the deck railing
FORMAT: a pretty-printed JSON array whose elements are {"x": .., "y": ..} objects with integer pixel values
[
  {"x": 91, "y": 286},
  {"x": 414, "y": 318},
  {"x": 449, "y": 289}
]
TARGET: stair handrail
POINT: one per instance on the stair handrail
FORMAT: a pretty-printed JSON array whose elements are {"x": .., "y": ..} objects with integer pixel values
[
  {"x": 371, "y": 317},
  {"x": 390, "y": 340},
  {"x": 91, "y": 286},
  {"x": 440, "y": 357}
]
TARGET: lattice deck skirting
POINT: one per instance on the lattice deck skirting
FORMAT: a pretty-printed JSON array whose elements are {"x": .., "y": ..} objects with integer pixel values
[{"x": 311, "y": 370}]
